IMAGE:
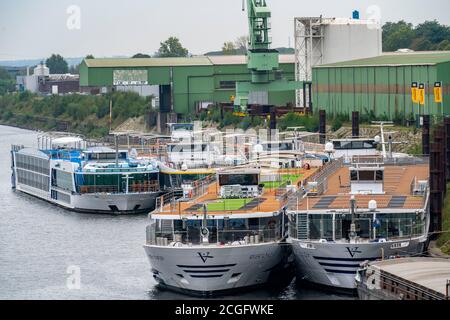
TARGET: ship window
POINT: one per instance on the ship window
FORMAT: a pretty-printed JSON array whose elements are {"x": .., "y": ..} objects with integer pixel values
[
  {"x": 238, "y": 179},
  {"x": 321, "y": 227},
  {"x": 379, "y": 175},
  {"x": 346, "y": 145},
  {"x": 354, "y": 175},
  {"x": 357, "y": 145},
  {"x": 366, "y": 175},
  {"x": 368, "y": 145}
]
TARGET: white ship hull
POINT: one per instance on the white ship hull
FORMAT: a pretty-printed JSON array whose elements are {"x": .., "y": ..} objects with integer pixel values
[
  {"x": 206, "y": 270},
  {"x": 335, "y": 264},
  {"x": 130, "y": 203}
]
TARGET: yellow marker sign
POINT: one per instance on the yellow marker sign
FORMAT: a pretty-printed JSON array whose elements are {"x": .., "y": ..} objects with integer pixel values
[
  {"x": 438, "y": 92},
  {"x": 414, "y": 93},
  {"x": 421, "y": 94}
]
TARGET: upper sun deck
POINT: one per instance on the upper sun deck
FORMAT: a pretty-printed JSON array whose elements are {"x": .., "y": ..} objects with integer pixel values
[
  {"x": 101, "y": 160},
  {"x": 207, "y": 193},
  {"x": 400, "y": 183}
]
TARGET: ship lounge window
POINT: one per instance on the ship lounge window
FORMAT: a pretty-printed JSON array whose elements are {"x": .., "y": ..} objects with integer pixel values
[
  {"x": 321, "y": 226},
  {"x": 379, "y": 175},
  {"x": 238, "y": 179},
  {"x": 62, "y": 180},
  {"x": 357, "y": 145},
  {"x": 353, "y": 145},
  {"x": 366, "y": 175}
]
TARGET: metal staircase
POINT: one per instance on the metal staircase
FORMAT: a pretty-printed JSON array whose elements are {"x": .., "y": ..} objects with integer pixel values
[{"x": 302, "y": 226}]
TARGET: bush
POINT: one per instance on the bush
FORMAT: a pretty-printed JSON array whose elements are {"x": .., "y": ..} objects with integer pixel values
[
  {"x": 292, "y": 119},
  {"x": 336, "y": 124}
]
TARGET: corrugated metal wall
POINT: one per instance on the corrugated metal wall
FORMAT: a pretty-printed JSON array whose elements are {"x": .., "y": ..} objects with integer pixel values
[
  {"x": 383, "y": 89},
  {"x": 192, "y": 84}
]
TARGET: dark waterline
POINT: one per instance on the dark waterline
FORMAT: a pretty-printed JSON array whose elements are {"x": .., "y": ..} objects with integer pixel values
[{"x": 39, "y": 241}]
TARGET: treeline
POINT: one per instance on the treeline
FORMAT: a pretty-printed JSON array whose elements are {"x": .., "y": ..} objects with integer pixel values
[
  {"x": 427, "y": 36},
  {"x": 7, "y": 83},
  {"x": 85, "y": 114}
]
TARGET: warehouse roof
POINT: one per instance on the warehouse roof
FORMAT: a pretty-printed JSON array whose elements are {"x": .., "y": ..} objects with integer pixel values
[
  {"x": 147, "y": 62},
  {"x": 174, "y": 62},
  {"x": 396, "y": 59},
  {"x": 224, "y": 60}
]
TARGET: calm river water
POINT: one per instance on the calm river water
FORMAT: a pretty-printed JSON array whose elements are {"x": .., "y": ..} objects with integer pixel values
[{"x": 39, "y": 242}]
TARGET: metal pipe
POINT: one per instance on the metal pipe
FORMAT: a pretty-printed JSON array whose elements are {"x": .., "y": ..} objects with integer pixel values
[
  {"x": 355, "y": 124},
  {"x": 322, "y": 126},
  {"x": 426, "y": 135}
]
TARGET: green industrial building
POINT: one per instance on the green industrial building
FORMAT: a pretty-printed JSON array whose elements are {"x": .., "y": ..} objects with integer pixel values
[
  {"x": 184, "y": 83},
  {"x": 382, "y": 84}
]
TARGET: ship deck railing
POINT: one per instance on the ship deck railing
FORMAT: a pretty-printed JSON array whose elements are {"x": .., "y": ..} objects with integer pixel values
[
  {"x": 152, "y": 186},
  {"x": 367, "y": 240},
  {"x": 208, "y": 194},
  {"x": 216, "y": 238},
  {"x": 117, "y": 170}
]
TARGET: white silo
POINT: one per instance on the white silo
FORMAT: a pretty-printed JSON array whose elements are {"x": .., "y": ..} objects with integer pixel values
[
  {"x": 321, "y": 40},
  {"x": 41, "y": 70}
]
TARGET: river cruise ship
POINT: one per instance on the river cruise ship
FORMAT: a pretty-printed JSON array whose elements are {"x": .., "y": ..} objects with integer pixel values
[
  {"x": 369, "y": 209},
  {"x": 228, "y": 233},
  {"x": 65, "y": 172}
]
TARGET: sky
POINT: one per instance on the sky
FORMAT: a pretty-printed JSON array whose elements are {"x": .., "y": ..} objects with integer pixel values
[{"x": 32, "y": 29}]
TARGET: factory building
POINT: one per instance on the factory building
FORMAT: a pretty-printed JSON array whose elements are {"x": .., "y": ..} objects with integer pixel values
[
  {"x": 181, "y": 85},
  {"x": 383, "y": 84},
  {"x": 320, "y": 40},
  {"x": 41, "y": 81}
]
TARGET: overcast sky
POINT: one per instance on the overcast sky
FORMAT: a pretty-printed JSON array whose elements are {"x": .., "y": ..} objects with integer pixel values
[{"x": 37, "y": 28}]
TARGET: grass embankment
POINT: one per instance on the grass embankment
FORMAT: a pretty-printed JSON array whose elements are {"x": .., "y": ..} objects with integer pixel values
[
  {"x": 85, "y": 114},
  {"x": 443, "y": 241}
]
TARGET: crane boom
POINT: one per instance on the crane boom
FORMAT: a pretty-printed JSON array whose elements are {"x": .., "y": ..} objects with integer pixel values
[{"x": 262, "y": 61}]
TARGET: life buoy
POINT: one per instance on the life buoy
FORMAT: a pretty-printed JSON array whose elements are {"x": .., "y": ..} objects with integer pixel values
[{"x": 306, "y": 166}]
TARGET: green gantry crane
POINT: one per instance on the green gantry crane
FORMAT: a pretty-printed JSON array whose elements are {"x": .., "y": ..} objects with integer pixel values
[{"x": 261, "y": 60}]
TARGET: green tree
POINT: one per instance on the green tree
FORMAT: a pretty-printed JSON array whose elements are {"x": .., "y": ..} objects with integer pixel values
[
  {"x": 172, "y": 48},
  {"x": 57, "y": 64},
  {"x": 140, "y": 55},
  {"x": 397, "y": 35},
  {"x": 6, "y": 81},
  {"x": 444, "y": 46},
  {"x": 422, "y": 44},
  {"x": 89, "y": 56},
  {"x": 433, "y": 31}
]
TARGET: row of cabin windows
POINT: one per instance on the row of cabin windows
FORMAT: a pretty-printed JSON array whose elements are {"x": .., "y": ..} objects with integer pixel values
[
  {"x": 62, "y": 180},
  {"x": 284, "y": 146},
  {"x": 370, "y": 175},
  {"x": 32, "y": 163},
  {"x": 222, "y": 230},
  {"x": 116, "y": 182},
  {"x": 188, "y": 148},
  {"x": 32, "y": 179},
  {"x": 107, "y": 156},
  {"x": 352, "y": 145},
  {"x": 387, "y": 226}
]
